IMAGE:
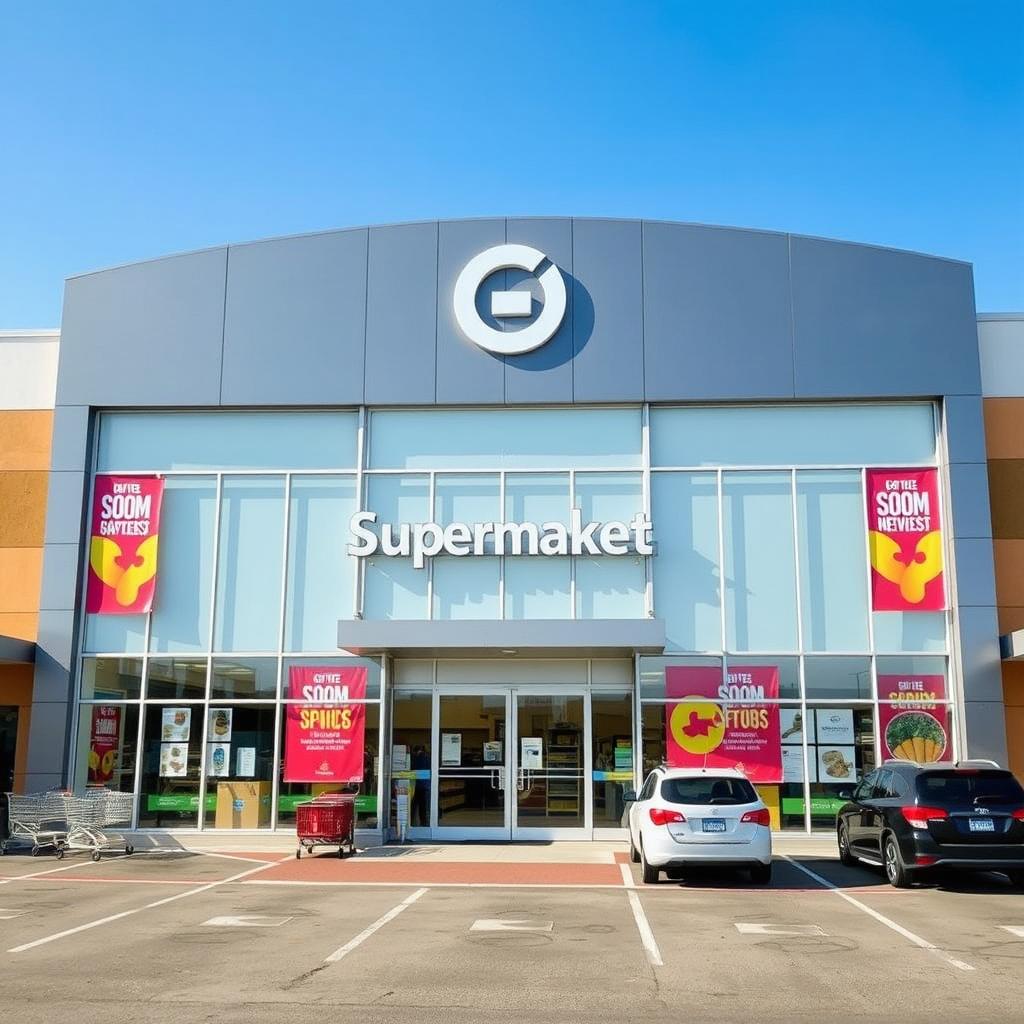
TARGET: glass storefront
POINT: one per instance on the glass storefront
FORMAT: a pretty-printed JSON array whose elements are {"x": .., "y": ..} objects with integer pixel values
[{"x": 759, "y": 572}]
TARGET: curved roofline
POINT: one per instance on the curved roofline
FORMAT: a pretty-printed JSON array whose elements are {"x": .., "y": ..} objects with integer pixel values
[{"x": 460, "y": 220}]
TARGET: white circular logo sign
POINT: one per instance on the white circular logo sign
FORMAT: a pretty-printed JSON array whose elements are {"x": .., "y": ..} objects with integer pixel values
[{"x": 508, "y": 304}]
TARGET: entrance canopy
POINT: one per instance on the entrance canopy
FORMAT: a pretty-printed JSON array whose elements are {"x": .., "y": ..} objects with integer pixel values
[{"x": 476, "y": 638}]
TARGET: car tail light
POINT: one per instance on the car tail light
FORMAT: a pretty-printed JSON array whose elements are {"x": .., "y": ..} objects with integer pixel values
[
  {"x": 1019, "y": 814},
  {"x": 761, "y": 817},
  {"x": 926, "y": 860},
  {"x": 661, "y": 816},
  {"x": 918, "y": 817}
]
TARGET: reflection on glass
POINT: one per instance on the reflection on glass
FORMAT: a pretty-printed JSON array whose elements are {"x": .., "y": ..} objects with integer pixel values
[
  {"x": 243, "y": 678},
  {"x": 171, "y": 763},
  {"x": 239, "y": 766},
  {"x": 840, "y": 751},
  {"x": 107, "y": 743},
  {"x": 178, "y": 678},
  {"x": 472, "y": 779},
  {"x": 410, "y": 756},
  {"x": 111, "y": 678},
  {"x": 612, "y": 753},
  {"x": 551, "y": 753}
]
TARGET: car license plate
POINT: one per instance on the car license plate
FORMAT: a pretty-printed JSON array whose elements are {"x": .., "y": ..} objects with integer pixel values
[
  {"x": 714, "y": 824},
  {"x": 981, "y": 825}
]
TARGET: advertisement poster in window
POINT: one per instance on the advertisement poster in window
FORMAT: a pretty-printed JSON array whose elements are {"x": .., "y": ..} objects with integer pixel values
[
  {"x": 173, "y": 760},
  {"x": 905, "y": 540},
  {"x": 792, "y": 723},
  {"x": 104, "y": 740},
  {"x": 123, "y": 544},
  {"x": 218, "y": 763},
  {"x": 176, "y": 724},
  {"x": 913, "y": 721},
  {"x": 219, "y": 730},
  {"x": 714, "y": 724},
  {"x": 451, "y": 749},
  {"x": 835, "y": 725},
  {"x": 836, "y": 764},
  {"x": 325, "y": 736}
]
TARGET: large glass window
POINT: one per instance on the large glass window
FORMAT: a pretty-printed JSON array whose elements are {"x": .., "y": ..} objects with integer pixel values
[
  {"x": 687, "y": 574},
  {"x": 610, "y": 587},
  {"x": 321, "y": 573},
  {"x": 466, "y": 588},
  {"x": 505, "y": 438},
  {"x": 793, "y": 435},
  {"x": 239, "y": 766},
  {"x": 171, "y": 764},
  {"x": 176, "y": 678},
  {"x": 537, "y": 498},
  {"x": 115, "y": 634},
  {"x": 226, "y": 440},
  {"x": 760, "y": 570},
  {"x": 108, "y": 737},
  {"x": 248, "y": 610},
  {"x": 111, "y": 678},
  {"x": 833, "y": 575},
  {"x": 537, "y": 588},
  {"x": 181, "y": 608}
]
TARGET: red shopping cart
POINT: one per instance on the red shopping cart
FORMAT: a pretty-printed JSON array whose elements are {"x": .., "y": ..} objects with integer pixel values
[{"x": 328, "y": 820}]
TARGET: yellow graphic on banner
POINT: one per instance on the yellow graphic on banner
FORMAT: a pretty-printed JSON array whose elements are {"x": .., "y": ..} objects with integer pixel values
[
  {"x": 697, "y": 726},
  {"x": 104, "y": 555},
  {"x": 888, "y": 560}
]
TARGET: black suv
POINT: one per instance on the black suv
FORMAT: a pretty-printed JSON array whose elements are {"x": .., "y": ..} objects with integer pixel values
[{"x": 907, "y": 817}]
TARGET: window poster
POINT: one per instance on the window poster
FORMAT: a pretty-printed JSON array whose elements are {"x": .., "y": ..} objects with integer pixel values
[
  {"x": 531, "y": 754},
  {"x": 176, "y": 724},
  {"x": 451, "y": 749},
  {"x": 835, "y": 725},
  {"x": 218, "y": 764}
]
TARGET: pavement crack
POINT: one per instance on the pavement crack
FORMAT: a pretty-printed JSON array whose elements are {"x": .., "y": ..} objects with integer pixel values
[{"x": 303, "y": 978}]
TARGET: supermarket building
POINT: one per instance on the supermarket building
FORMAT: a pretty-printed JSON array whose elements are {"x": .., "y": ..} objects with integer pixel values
[{"x": 519, "y": 472}]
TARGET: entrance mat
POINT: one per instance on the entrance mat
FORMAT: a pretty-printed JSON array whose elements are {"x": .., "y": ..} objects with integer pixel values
[{"x": 328, "y": 869}]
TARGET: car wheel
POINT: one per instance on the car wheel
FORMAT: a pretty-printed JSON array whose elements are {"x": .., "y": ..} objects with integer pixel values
[
  {"x": 651, "y": 874},
  {"x": 1016, "y": 879},
  {"x": 846, "y": 858},
  {"x": 895, "y": 869},
  {"x": 761, "y": 874},
  {"x": 634, "y": 854}
]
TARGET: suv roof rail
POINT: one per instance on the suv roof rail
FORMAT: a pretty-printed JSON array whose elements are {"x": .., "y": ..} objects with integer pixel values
[
  {"x": 900, "y": 761},
  {"x": 976, "y": 761}
]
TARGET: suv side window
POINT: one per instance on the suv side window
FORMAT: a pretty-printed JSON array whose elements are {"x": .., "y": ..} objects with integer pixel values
[
  {"x": 865, "y": 787},
  {"x": 897, "y": 787},
  {"x": 884, "y": 786}
]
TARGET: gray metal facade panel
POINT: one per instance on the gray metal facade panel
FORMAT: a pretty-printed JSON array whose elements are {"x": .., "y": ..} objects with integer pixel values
[
  {"x": 978, "y": 641},
  {"x": 607, "y": 306},
  {"x": 968, "y": 495},
  {"x": 874, "y": 322},
  {"x": 60, "y": 574},
  {"x": 65, "y": 500},
  {"x": 965, "y": 428},
  {"x": 70, "y": 439},
  {"x": 14, "y": 651},
  {"x": 544, "y": 375},
  {"x": 465, "y": 373},
  {"x": 148, "y": 334},
  {"x": 717, "y": 321},
  {"x": 47, "y": 742},
  {"x": 985, "y": 728},
  {"x": 53, "y": 644},
  {"x": 401, "y": 313},
  {"x": 295, "y": 321},
  {"x": 975, "y": 572}
]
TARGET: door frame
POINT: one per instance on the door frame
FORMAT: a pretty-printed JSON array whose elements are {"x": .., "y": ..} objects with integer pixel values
[{"x": 511, "y": 830}]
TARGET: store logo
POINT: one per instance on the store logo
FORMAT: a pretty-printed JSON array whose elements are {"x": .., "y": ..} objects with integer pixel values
[{"x": 509, "y": 304}]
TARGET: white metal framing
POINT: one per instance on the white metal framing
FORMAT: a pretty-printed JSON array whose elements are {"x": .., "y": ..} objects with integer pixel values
[{"x": 361, "y": 474}]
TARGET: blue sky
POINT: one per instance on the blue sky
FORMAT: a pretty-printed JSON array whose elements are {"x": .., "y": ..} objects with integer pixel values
[{"x": 130, "y": 130}]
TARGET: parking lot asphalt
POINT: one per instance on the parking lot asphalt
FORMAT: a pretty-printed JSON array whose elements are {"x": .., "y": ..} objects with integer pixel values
[{"x": 260, "y": 938}]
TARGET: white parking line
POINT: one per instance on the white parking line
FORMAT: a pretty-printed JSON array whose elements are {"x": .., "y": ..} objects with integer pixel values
[
  {"x": 338, "y": 954},
  {"x": 881, "y": 918},
  {"x": 644, "y": 928},
  {"x": 763, "y": 928},
  {"x": 1014, "y": 929},
  {"x": 51, "y": 871},
  {"x": 137, "y": 910}
]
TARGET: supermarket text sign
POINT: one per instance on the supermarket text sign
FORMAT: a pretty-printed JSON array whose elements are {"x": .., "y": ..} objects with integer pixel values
[
  {"x": 905, "y": 540},
  {"x": 123, "y": 544},
  {"x": 716, "y": 723},
  {"x": 325, "y": 738}
]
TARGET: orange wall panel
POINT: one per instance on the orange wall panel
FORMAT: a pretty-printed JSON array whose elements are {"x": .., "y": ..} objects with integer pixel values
[
  {"x": 22, "y": 625},
  {"x": 25, "y": 440},
  {"x": 22, "y": 509},
  {"x": 16, "y": 690},
  {"x": 1004, "y": 428},
  {"x": 21, "y": 573}
]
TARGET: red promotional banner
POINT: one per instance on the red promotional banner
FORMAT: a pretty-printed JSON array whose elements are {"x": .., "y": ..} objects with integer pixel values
[
  {"x": 104, "y": 739},
  {"x": 913, "y": 723},
  {"x": 324, "y": 739},
  {"x": 123, "y": 544},
  {"x": 905, "y": 540},
  {"x": 724, "y": 725}
]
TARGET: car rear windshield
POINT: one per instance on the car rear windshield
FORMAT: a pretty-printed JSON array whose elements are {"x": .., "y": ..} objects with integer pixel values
[
  {"x": 708, "y": 790},
  {"x": 969, "y": 787}
]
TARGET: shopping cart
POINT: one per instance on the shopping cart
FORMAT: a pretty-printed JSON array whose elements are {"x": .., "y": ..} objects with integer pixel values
[
  {"x": 36, "y": 818},
  {"x": 88, "y": 817},
  {"x": 328, "y": 820}
]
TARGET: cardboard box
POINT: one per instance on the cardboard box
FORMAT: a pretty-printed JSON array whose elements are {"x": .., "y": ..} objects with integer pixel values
[{"x": 243, "y": 805}]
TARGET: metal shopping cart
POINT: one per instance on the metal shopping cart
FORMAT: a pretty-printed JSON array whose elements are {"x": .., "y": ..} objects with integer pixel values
[
  {"x": 327, "y": 820},
  {"x": 89, "y": 815},
  {"x": 36, "y": 819}
]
